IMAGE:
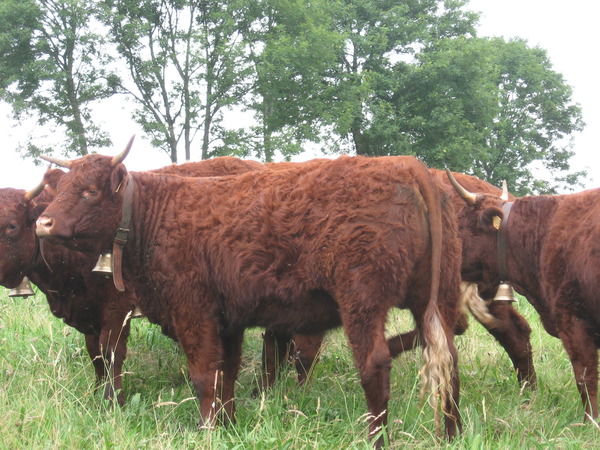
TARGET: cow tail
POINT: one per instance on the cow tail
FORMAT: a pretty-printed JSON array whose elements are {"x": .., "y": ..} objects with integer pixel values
[
  {"x": 438, "y": 362},
  {"x": 477, "y": 305}
]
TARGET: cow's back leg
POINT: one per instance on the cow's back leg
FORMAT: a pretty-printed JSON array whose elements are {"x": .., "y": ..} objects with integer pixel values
[
  {"x": 452, "y": 421},
  {"x": 232, "y": 352},
  {"x": 200, "y": 339},
  {"x": 277, "y": 346},
  {"x": 307, "y": 354},
  {"x": 372, "y": 358},
  {"x": 403, "y": 342},
  {"x": 577, "y": 338}
]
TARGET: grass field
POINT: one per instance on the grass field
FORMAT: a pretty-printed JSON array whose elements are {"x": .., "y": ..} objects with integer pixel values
[{"x": 47, "y": 398}]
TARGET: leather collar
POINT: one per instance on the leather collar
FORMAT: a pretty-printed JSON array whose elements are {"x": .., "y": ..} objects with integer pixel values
[
  {"x": 122, "y": 234},
  {"x": 502, "y": 241}
]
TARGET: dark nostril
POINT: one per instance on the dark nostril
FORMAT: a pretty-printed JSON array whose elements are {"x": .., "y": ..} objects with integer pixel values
[{"x": 44, "y": 222}]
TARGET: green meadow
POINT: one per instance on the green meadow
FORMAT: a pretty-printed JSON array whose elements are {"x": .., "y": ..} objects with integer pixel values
[{"x": 47, "y": 397}]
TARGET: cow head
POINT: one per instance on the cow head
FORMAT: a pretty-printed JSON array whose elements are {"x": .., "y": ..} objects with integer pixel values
[
  {"x": 479, "y": 223},
  {"x": 86, "y": 211},
  {"x": 18, "y": 243}
]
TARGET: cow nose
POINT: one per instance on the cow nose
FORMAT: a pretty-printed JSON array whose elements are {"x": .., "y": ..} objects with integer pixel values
[{"x": 44, "y": 226}]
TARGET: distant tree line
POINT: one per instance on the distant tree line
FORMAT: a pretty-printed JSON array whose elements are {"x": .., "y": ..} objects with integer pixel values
[{"x": 367, "y": 77}]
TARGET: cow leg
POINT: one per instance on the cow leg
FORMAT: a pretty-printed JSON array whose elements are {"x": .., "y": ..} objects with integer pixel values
[
  {"x": 276, "y": 348},
  {"x": 372, "y": 358},
  {"x": 442, "y": 360},
  {"x": 452, "y": 421},
  {"x": 202, "y": 343},
  {"x": 92, "y": 344},
  {"x": 512, "y": 331},
  {"x": 113, "y": 345},
  {"x": 403, "y": 343},
  {"x": 232, "y": 353},
  {"x": 577, "y": 340},
  {"x": 307, "y": 354}
]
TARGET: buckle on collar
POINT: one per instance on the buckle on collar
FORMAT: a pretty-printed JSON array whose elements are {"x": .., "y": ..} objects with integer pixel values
[{"x": 121, "y": 236}]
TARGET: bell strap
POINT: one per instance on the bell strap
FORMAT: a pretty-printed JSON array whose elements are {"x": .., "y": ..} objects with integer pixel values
[
  {"x": 502, "y": 239},
  {"x": 122, "y": 234}
]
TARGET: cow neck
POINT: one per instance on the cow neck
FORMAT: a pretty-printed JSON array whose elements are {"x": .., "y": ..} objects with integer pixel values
[
  {"x": 37, "y": 252},
  {"x": 502, "y": 243},
  {"x": 122, "y": 234}
]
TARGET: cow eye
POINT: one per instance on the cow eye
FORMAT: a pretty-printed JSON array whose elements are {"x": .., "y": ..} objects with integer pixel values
[
  {"x": 90, "y": 193},
  {"x": 11, "y": 229}
]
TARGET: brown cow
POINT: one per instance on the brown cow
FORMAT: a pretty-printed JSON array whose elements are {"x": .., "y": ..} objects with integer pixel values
[
  {"x": 84, "y": 300},
  {"x": 552, "y": 254},
  {"x": 500, "y": 318},
  {"x": 299, "y": 250}
]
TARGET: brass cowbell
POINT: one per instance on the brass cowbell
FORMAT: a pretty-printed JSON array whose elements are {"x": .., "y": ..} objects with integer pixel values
[
  {"x": 505, "y": 293},
  {"x": 104, "y": 264},
  {"x": 22, "y": 290}
]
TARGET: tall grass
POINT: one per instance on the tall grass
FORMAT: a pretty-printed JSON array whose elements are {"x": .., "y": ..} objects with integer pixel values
[{"x": 47, "y": 398}]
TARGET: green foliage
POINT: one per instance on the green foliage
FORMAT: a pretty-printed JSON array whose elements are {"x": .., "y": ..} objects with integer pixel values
[
  {"x": 47, "y": 399},
  {"x": 378, "y": 35},
  {"x": 186, "y": 65},
  {"x": 52, "y": 66},
  {"x": 294, "y": 48},
  {"x": 371, "y": 77},
  {"x": 482, "y": 106}
]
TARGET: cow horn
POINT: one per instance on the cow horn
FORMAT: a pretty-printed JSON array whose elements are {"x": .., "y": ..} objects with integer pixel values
[
  {"x": 504, "y": 195},
  {"x": 59, "y": 162},
  {"x": 35, "y": 191},
  {"x": 118, "y": 159},
  {"x": 467, "y": 196}
]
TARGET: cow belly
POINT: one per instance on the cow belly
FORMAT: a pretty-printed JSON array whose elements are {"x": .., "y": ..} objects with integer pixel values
[{"x": 312, "y": 314}]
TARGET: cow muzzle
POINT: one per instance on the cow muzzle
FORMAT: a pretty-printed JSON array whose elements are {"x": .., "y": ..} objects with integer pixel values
[{"x": 44, "y": 226}]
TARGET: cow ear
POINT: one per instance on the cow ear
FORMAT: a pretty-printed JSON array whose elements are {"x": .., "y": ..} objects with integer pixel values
[
  {"x": 35, "y": 210},
  {"x": 490, "y": 218},
  {"x": 52, "y": 177},
  {"x": 117, "y": 177}
]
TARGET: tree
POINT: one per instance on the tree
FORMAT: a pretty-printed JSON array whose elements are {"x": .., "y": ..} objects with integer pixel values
[
  {"x": 379, "y": 33},
  {"x": 53, "y": 65},
  {"x": 293, "y": 47},
  {"x": 185, "y": 65},
  {"x": 483, "y": 106}
]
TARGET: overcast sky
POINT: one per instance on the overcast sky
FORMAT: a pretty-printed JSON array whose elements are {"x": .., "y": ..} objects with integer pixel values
[{"x": 567, "y": 30}]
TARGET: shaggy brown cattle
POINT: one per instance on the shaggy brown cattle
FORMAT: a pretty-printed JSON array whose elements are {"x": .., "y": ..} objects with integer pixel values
[
  {"x": 551, "y": 251},
  {"x": 500, "y": 318},
  {"x": 84, "y": 300},
  {"x": 299, "y": 250}
]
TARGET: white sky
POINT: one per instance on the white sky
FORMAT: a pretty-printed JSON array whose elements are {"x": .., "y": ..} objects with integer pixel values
[{"x": 567, "y": 30}]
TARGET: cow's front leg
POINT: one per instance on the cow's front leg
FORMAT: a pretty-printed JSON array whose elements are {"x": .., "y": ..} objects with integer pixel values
[
  {"x": 92, "y": 344},
  {"x": 113, "y": 346},
  {"x": 512, "y": 331}
]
